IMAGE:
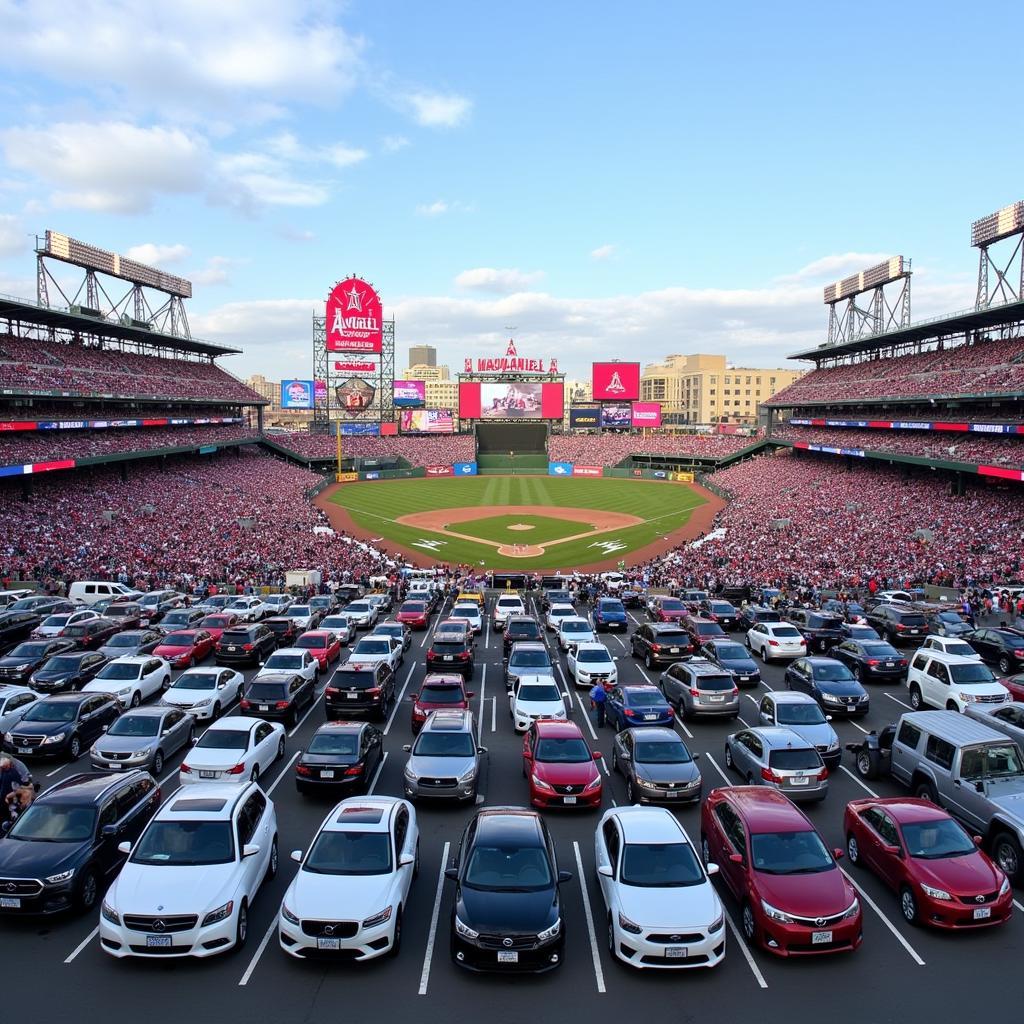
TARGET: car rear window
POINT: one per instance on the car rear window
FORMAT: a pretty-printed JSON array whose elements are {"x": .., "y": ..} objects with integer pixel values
[
  {"x": 441, "y": 695},
  {"x": 670, "y": 635},
  {"x": 449, "y": 645},
  {"x": 911, "y": 619},
  {"x": 357, "y": 679},
  {"x": 787, "y": 631},
  {"x": 267, "y": 691},
  {"x": 714, "y": 682},
  {"x": 234, "y": 636},
  {"x": 793, "y": 760},
  {"x": 822, "y": 622}
]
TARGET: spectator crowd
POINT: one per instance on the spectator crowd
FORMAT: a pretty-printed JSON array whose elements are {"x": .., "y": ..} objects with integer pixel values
[
  {"x": 608, "y": 449},
  {"x": 430, "y": 450}
]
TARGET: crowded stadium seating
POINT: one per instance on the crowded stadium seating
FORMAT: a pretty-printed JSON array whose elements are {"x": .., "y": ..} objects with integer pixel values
[
  {"x": 441, "y": 450},
  {"x": 609, "y": 449}
]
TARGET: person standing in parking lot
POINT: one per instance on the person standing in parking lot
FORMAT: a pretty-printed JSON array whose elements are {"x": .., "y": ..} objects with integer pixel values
[{"x": 598, "y": 696}]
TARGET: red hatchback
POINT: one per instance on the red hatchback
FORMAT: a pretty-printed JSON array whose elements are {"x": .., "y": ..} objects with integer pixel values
[
  {"x": 322, "y": 644},
  {"x": 560, "y": 765},
  {"x": 216, "y": 624},
  {"x": 918, "y": 850},
  {"x": 185, "y": 647},
  {"x": 439, "y": 691},
  {"x": 794, "y": 900},
  {"x": 415, "y": 614}
]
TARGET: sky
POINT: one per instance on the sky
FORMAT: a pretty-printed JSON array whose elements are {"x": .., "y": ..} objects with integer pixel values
[{"x": 598, "y": 180}]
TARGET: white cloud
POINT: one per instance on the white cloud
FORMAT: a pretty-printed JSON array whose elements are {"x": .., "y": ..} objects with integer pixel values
[
  {"x": 13, "y": 237},
  {"x": 215, "y": 273},
  {"x": 439, "y": 110},
  {"x": 158, "y": 255},
  {"x": 602, "y": 252},
  {"x": 501, "y": 281},
  {"x": 441, "y": 206},
  {"x": 393, "y": 143},
  {"x": 344, "y": 156},
  {"x": 835, "y": 267}
]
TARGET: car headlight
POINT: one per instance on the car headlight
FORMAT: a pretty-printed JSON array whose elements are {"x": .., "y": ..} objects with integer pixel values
[
  {"x": 203, "y": 703},
  {"x": 1005, "y": 887},
  {"x": 141, "y": 753},
  {"x": 63, "y": 876},
  {"x": 379, "y": 918},
  {"x": 853, "y": 909},
  {"x": 935, "y": 894},
  {"x": 550, "y": 933},
  {"x": 584, "y": 676},
  {"x": 541, "y": 784},
  {"x": 220, "y": 914},
  {"x": 8, "y": 737},
  {"x": 718, "y": 924},
  {"x": 468, "y": 776},
  {"x": 23, "y": 668},
  {"x": 593, "y": 785},
  {"x": 108, "y": 913},
  {"x": 126, "y": 692},
  {"x": 410, "y": 774},
  {"x": 644, "y": 783},
  {"x": 830, "y": 698},
  {"x": 288, "y": 915},
  {"x": 463, "y": 929},
  {"x": 629, "y": 926},
  {"x": 968, "y": 698},
  {"x": 775, "y": 914},
  {"x": 55, "y": 738}
]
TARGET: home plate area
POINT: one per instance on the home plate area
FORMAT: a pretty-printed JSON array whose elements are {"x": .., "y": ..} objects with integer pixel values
[{"x": 497, "y": 526}]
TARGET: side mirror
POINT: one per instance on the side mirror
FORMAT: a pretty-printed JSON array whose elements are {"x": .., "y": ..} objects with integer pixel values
[
  {"x": 125, "y": 847},
  {"x": 481, "y": 750},
  {"x": 828, "y": 718},
  {"x": 893, "y": 851},
  {"x": 414, "y": 697},
  {"x": 606, "y": 870},
  {"x": 250, "y": 850},
  {"x": 108, "y": 830},
  {"x": 736, "y": 858},
  {"x": 977, "y": 840},
  {"x": 597, "y": 755},
  {"x": 712, "y": 869},
  {"x": 470, "y": 694},
  {"x": 407, "y": 747},
  {"x": 696, "y": 757},
  {"x": 452, "y": 874},
  {"x": 221, "y": 686},
  {"x": 837, "y": 852},
  {"x": 564, "y": 876},
  {"x": 406, "y": 859},
  {"x": 105, "y": 728},
  {"x": 296, "y": 856}
]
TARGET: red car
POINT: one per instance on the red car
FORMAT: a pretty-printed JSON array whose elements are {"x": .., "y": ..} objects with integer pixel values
[
  {"x": 559, "y": 764},
  {"x": 1015, "y": 684},
  {"x": 216, "y": 624},
  {"x": 415, "y": 614},
  {"x": 916, "y": 848},
  {"x": 185, "y": 647},
  {"x": 794, "y": 900},
  {"x": 322, "y": 644},
  {"x": 669, "y": 609},
  {"x": 439, "y": 690}
]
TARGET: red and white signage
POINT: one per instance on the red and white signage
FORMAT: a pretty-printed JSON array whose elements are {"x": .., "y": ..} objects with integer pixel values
[
  {"x": 646, "y": 414},
  {"x": 586, "y": 470},
  {"x": 440, "y": 471},
  {"x": 355, "y": 366},
  {"x": 355, "y": 322},
  {"x": 511, "y": 362},
  {"x": 616, "y": 382}
]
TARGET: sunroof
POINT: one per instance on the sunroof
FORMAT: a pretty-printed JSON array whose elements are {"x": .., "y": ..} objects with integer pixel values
[
  {"x": 360, "y": 816},
  {"x": 199, "y": 805}
]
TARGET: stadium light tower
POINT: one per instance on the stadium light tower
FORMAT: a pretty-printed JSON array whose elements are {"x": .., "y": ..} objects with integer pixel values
[
  {"x": 849, "y": 319},
  {"x": 999, "y": 284}
]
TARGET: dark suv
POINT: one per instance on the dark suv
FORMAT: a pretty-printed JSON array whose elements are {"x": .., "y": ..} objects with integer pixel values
[
  {"x": 521, "y": 628},
  {"x": 285, "y": 630},
  {"x": 1002, "y": 647},
  {"x": 16, "y": 626},
  {"x": 70, "y": 671},
  {"x": 18, "y": 664},
  {"x": 63, "y": 850},
  {"x": 280, "y": 696},
  {"x": 451, "y": 652},
  {"x": 92, "y": 633},
  {"x": 360, "y": 690},
  {"x": 660, "y": 643},
  {"x": 898, "y": 623},
  {"x": 701, "y": 630},
  {"x": 245, "y": 644},
  {"x": 754, "y": 613},
  {"x": 821, "y": 631},
  {"x": 62, "y": 725}
]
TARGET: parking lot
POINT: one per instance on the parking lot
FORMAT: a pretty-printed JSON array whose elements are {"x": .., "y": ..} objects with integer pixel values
[{"x": 57, "y": 969}]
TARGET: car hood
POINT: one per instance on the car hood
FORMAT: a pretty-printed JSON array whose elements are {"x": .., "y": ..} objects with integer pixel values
[
  {"x": 540, "y": 707},
  {"x": 575, "y": 774},
  {"x": 171, "y": 651},
  {"x": 182, "y": 697},
  {"x": 684, "y": 907},
  {"x": 125, "y": 744},
  {"x": 440, "y": 767},
  {"x": 109, "y": 685},
  {"x": 145, "y": 889},
  {"x": 42, "y": 728},
  {"x": 961, "y": 876},
  {"x": 1008, "y": 796},
  {"x": 817, "y": 735},
  {"x": 52, "y": 675},
  {"x": 335, "y": 898},
  {"x": 507, "y": 912},
  {"x": 12, "y": 661},
  {"x": 840, "y": 687},
  {"x": 817, "y": 895},
  {"x": 662, "y": 774},
  {"x": 27, "y": 859},
  {"x": 745, "y": 666},
  {"x": 120, "y": 652}
]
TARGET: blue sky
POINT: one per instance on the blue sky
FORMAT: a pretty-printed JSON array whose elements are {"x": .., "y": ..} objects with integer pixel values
[{"x": 611, "y": 181}]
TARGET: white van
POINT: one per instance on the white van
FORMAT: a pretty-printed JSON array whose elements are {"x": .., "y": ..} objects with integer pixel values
[{"x": 88, "y": 592}]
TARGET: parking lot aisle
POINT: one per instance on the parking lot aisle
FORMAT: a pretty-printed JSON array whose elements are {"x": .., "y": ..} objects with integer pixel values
[
  {"x": 399, "y": 699},
  {"x": 911, "y": 952},
  {"x": 745, "y": 950},
  {"x": 72, "y": 956},
  {"x": 480, "y": 711},
  {"x": 856, "y": 778},
  {"x": 428, "y": 953},
  {"x": 900, "y": 702},
  {"x": 588, "y": 915}
]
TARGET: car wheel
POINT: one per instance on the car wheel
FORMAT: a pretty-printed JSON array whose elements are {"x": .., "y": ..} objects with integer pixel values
[
  {"x": 952, "y": 706},
  {"x": 647, "y": 660},
  {"x": 215, "y": 713},
  {"x": 926, "y": 791},
  {"x": 166, "y": 684},
  {"x": 1004, "y": 665},
  {"x": 1006, "y": 852},
  {"x": 88, "y": 891},
  {"x": 416, "y": 863},
  {"x": 136, "y": 699},
  {"x": 191, "y": 736},
  {"x": 242, "y": 927},
  {"x": 75, "y": 748},
  {"x": 916, "y": 702},
  {"x": 272, "y": 865},
  {"x": 630, "y": 792},
  {"x": 749, "y": 922},
  {"x": 611, "y": 936},
  {"x": 280, "y": 749},
  {"x": 615, "y": 759},
  {"x": 867, "y": 764},
  {"x": 858, "y": 673},
  {"x": 764, "y": 655},
  {"x": 908, "y": 905},
  {"x": 254, "y": 775},
  {"x": 158, "y": 762},
  {"x": 396, "y": 938},
  {"x": 729, "y": 763},
  {"x": 705, "y": 850},
  {"x": 852, "y": 849}
]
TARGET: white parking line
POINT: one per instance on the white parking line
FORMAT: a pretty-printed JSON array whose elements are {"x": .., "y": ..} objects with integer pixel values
[
  {"x": 494, "y": 714},
  {"x": 604, "y": 767},
  {"x": 857, "y": 779},
  {"x": 644, "y": 674},
  {"x": 898, "y": 701},
  {"x": 1017, "y": 904},
  {"x": 259, "y": 952},
  {"x": 861, "y": 727},
  {"x": 273, "y": 785},
  {"x": 598, "y": 971},
  {"x": 480, "y": 717},
  {"x": 888, "y": 924},
  {"x": 679, "y": 722},
  {"x": 487, "y": 636},
  {"x": 61, "y": 767},
  {"x": 429, "y": 954},
  {"x": 753, "y": 700},
  {"x": 758, "y": 976},
  {"x": 298, "y": 724},
  {"x": 85, "y": 942},
  {"x": 380, "y": 768},
  {"x": 615, "y": 637},
  {"x": 717, "y": 769},
  {"x": 401, "y": 697}
]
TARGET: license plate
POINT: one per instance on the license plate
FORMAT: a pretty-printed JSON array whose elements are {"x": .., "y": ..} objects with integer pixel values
[
  {"x": 207, "y": 775},
  {"x": 675, "y": 952},
  {"x": 650, "y": 718},
  {"x": 569, "y": 799},
  {"x": 507, "y": 956},
  {"x": 799, "y": 781},
  {"x": 115, "y": 765},
  {"x": 890, "y": 664},
  {"x": 230, "y": 648},
  {"x": 24, "y": 750},
  {"x": 264, "y": 707},
  {"x": 322, "y": 943},
  {"x": 980, "y": 913},
  {"x": 716, "y": 700},
  {"x": 820, "y": 938},
  {"x": 352, "y": 696},
  {"x": 671, "y": 794},
  {"x": 10, "y": 902},
  {"x": 673, "y": 650},
  {"x": 449, "y": 657},
  {"x": 743, "y": 679},
  {"x": 327, "y": 775},
  {"x": 160, "y": 941}
]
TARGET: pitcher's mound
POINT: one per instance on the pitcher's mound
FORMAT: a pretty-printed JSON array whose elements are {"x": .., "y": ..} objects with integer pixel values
[
  {"x": 520, "y": 550},
  {"x": 521, "y": 526}
]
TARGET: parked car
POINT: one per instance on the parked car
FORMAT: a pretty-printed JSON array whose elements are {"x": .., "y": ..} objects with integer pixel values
[
  {"x": 54, "y": 625},
  {"x": 415, "y": 614},
  {"x": 241, "y": 645},
  {"x": 14, "y": 702},
  {"x": 445, "y": 761},
  {"x": 505, "y": 606},
  {"x": 341, "y": 757},
  {"x": 249, "y": 609},
  {"x": 93, "y": 634},
  {"x": 950, "y": 645},
  {"x": 520, "y": 629},
  {"x": 205, "y": 692},
  {"x": 278, "y": 696},
  {"x": 143, "y": 738},
  {"x": 898, "y": 623},
  {"x": 323, "y": 645},
  {"x": 216, "y": 622},
  {"x": 131, "y": 679},
  {"x": 362, "y": 613},
  {"x": 872, "y": 660},
  {"x": 752, "y": 614},
  {"x": 590, "y": 663},
  {"x": 559, "y": 766},
  {"x": 735, "y": 659},
  {"x": 820, "y": 631},
  {"x": 234, "y": 749},
  {"x": 700, "y": 687},
  {"x": 722, "y": 612},
  {"x": 533, "y": 697},
  {"x": 396, "y": 630},
  {"x": 528, "y": 660},
  {"x": 341, "y": 626},
  {"x": 23, "y": 661},
  {"x": 660, "y": 643},
  {"x": 780, "y": 759},
  {"x": 657, "y": 766},
  {"x": 357, "y": 689},
  {"x": 62, "y": 726},
  {"x": 450, "y": 651},
  {"x": 68, "y": 671},
  {"x": 637, "y": 705},
  {"x": 772, "y": 640},
  {"x": 666, "y": 609},
  {"x": 290, "y": 661},
  {"x": 947, "y": 681},
  {"x": 609, "y": 614},
  {"x": 830, "y": 683},
  {"x": 801, "y": 713},
  {"x": 182, "y": 618},
  {"x": 439, "y": 692},
  {"x": 1003, "y": 647},
  {"x": 185, "y": 648},
  {"x": 131, "y": 641}
]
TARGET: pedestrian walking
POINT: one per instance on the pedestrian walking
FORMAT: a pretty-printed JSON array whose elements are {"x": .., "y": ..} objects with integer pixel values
[{"x": 598, "y": 697}]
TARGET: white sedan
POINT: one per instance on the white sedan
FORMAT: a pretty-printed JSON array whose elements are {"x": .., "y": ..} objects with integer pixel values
[
  {"x": 373, "y": 649},
  {"x": 235, "y": 749},
  {"x": 132, "y": 679},
  {"x": 14, "y": 702},
  {"x": 661, "y": 909},
  {"x": 248, "y": 609},
  {"x": 533, "y": 698},
  {"x": 572, "y": 630},
  {"x": 776, "y": 640},
  {"x": 468, "y": 611},
  {"x": 293, "y": 660},
  {"x": 557, "y": 612},
  {"x": 359, "y": 868},
  {"x": 591, "y": 662},
  {"x": 53, "y": 625},
  {"x": 205, "y": 692},
  {"x": 189, "y": 882}
]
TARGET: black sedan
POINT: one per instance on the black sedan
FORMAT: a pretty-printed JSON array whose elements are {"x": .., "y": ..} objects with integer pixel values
[
  {"x": 280, "y": 696},
  {"x": 1001, "y": 647},
  {"x": 70, "y": 671},
  {"x": 872, "y": 660},
  {"x": 722, "y": 612},
  {"x": 18, "y": 664},
  {"x": 830, "y": 683},
  {"x": 341, "y": 759},
  {"x": 734, "y": 658},
  {"x": 62, "y": 725}
]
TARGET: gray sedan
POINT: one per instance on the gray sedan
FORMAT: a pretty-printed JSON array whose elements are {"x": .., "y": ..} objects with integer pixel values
[
  {"x": 1005, "y": 718},
  {"x": 657, "y": 766},
  {"x": 777, "y": 757},
  {"x": 143, "y": 738},
  {"x": 132, "y": 642}
]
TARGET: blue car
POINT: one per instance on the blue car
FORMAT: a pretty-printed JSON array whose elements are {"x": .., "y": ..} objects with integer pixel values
[
  {"x": 830, "y": 683},
  {"x": 734, "y": 658},
  {"x": 628, "y": 707},
  {"x": 609, "y": 613}
]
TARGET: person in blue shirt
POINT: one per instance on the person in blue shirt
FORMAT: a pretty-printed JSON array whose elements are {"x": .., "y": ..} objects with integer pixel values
[{"x": 598, "y": 697}]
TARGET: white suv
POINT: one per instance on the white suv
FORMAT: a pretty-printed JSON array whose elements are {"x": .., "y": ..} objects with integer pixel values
[
  {"x": 776, "y": 640},
  {"x": 948, "y": 681},
  {"x": 950, "y": 645},
  {"x": 506, "y": 605}
]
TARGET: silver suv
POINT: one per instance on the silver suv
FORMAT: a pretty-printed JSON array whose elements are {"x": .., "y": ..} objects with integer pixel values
[
  {"x": 444, "y": 762},
  {"x": 527, "y": 659},
  {"x": 778, "y": 758},
  {"x": 700, "y": 687}
]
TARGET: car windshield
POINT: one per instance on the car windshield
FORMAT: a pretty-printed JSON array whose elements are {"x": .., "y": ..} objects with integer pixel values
[
  {"x": 267, "y": 691},
  {"x": 951, "y": 617},
  {"x": 224, "y": 739},
  {"x": 63, "y": 664},
  {"x": 958, "y": 647},
  {"x": 508, "y": 869},
  {"x": 444, "y": 744},
  {"x": 464, "y": 612},
  {"x": 29, "y": 650},
  {"x": 799, "y": 759},
  {"x": 177, "y": 618},
  {"x": 310, "y": 642},
  {"x": 297, "y": 611},
  {"x": 538, "y": 692},
  {"x": 366, "y": 646},
  {"x": 575, "y": 626},
  {"x": 934, "y": 840},
  {"x": 524, "y": 629},
  {"x": 116, "y": 670},
  {"x": 359, "y": 606},
  {"x": 216, "y": 621},
  {"x": 350, "y": 853},
  {"x": 564, "y": 750},
  {"x": 591, "y": 656},
  {"x": 799, "y": 714},
  {"x": 718, "y": 683},
  {"x": 674, "y": 752},
  {"x": 660, "y": 865},
  {"x": 976, "y": 672},
  {"x": 672, "y": 606},
  {"x": 722, "y": 608},
  {"x": 862, "y": 632},
  {"x": 135, "y": 725},
  {"x": 529, "y": 659},
  {"x": 195, "y": 681},
  {"x": 178, "y": 640},
  {"x": 832, "y": 673},
  {"x": 42, "y": 711},
  {"x": 1001, "y": 760},
  {"x": 54, "y": 823},
  {"x": 185, "y": 843},
  {"x": 560, "y": 613},
  {"x": 125, "y": 640},
  {"x": 441, "y": 695},
  {"x": 732, "y": 652},
  {"x": 611, "y": 606},
  {"x": 335, "y": 622},
  {"x": 646, "y": 698},
  {"x": 786, "y": 631},
  {"x": 790, "y": 853},
  {"x": 283, "y": 661},
  {"x": 344, "y": 744},
  {"x": 56, "y": 620}
]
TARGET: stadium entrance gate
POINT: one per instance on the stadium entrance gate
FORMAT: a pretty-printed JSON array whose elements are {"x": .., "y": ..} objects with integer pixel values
[{"x": 512, "y": 448}]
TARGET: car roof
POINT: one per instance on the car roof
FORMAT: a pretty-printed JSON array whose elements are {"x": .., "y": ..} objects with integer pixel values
[
  {"x": 362, "y": 814},
  {"x": 443, "y": 679},
  {"x": 791, "y": 697},
  {"x": 215, "y": 801},
  {"x": 637, "y": 687},
  {"x": 593, "y": 645},
  {"x": 528, "y": 645},
  {"x": 89, "y": 786},
  {"x": 558, "y": 729},
  {"x": 152, "y": 711},
  {"x": 703, "y": 667},
  {"x": 907, "y": 810},
  {"x": 649, "y": 825},
  {"x": 449, "y": 720},
  {"x": 236, "y": 722},
  {"x": 72, "y": 698},
  {"x": 947, "y": 658},
  {"x": 662, "y": 627},
  {"x": 819, "y": 659},
  {"x": 333, "y": 727},
  {"x": 953, "y": 727},
  {"x": 657, "y": 734},
  {"x": 297, "y": 651},
  {"x": 513, "y": 825},
  {"x": 319, "y": 633},
  {"x": 766, "y": 809},
  {"x": 779, "y": 738}
]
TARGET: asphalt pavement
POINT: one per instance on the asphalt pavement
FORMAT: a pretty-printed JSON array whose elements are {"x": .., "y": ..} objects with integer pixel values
[{"x": 55, "y": 969}]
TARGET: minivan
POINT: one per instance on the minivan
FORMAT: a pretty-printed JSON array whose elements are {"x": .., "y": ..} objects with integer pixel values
[{"x": 949, "y": 681}]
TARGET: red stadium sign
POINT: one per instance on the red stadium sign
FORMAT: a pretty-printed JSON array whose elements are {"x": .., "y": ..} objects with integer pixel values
[
  {"x": 355, "y": 366},
  {"x": 355, "y": 321},
  {"x": 616, "y": 382},
  {"x": 587, "y": 470},
  {"x": 511, "y": 362},
  {"x": 440, "y": 471}
]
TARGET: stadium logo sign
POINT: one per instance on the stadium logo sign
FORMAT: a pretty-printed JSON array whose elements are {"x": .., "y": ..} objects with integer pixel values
[
  {"x": 354, "y": 320},
  {"x": 511, "y": 362},
  {"x": 354, "y": 366},
  {"x": 559, "y": 469},
  {"x": 609, "y": 547},
  {"x": 355, "y": 395},
  {"x": 615, "y": 385}
]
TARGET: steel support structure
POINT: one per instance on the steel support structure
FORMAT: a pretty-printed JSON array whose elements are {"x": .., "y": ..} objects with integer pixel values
[
  {"x": 1000, "y": 278},
  {"x": 873, "y": 311}
]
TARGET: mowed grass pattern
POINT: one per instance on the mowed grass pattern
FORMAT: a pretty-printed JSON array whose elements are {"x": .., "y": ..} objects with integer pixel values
[{"x": 664, "y": 507}]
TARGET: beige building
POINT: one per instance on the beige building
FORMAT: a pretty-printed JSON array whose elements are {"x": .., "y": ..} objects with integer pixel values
[
  {"x": 422, "y": 355},
  {"x": 422, "y": 371},
  {"x": 268, "y": 389},
  {"x": 704, "y": 389},
  {"x": 442, "y": 394}
]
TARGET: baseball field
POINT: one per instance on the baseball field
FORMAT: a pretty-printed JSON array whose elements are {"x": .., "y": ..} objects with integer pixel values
[{"x": 512, "y": 522}]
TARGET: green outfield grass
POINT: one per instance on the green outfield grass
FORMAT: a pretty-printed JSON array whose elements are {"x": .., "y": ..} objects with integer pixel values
[{"x": 375, "y": 505}]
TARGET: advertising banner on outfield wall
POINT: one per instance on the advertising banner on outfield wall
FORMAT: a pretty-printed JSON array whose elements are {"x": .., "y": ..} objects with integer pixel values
[
  {"x": 346, "y": 478},
  {"x": 464, "y": 469},
  {"x": 559, "y": 469},
  {"x": 359, "y": 429},
  {"x": 578, "y": 470},
  {"x": 439, "y": 471}
]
